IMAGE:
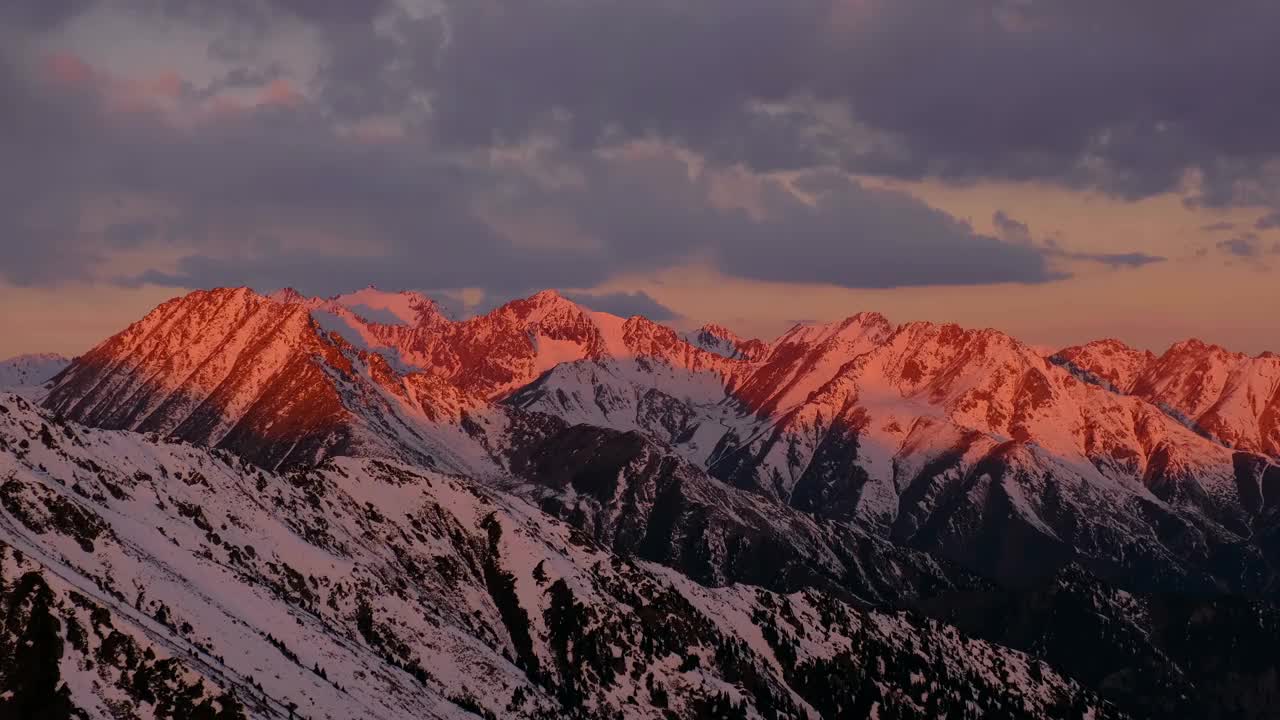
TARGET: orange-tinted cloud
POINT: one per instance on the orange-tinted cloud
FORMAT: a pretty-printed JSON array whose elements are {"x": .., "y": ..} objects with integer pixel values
[
  {"x": 68, "y": 68},
  {"x": 134, "y": 95},
  {"x": 165, "y": 85},
  {"x": 280, "y": 92},
  {"x": 119, "y": 95}
]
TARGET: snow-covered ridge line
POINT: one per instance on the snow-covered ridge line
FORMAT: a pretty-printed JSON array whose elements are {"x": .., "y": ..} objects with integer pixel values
[
  {"x": 916, "y": 433},
  {"x": 370, "y": 589},
  {"x": 1230, "y": 397}
]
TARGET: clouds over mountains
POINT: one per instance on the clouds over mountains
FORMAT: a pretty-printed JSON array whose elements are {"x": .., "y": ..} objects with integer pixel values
[{"x": 517, "y": 145}]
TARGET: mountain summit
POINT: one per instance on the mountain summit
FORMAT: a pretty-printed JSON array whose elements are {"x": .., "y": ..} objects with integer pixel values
[{"x": 876, "y": 464}]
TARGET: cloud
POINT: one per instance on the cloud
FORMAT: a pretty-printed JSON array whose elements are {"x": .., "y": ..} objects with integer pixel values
[
  {"x": 855, "y": 236},
  {"x": 280, "y": 92},
  {"x": 1116, "y": 260},
  {"x": 1016, "y": 232},
  {"x": 625, "y": 304},
  {"x": 630, "y": 215},
  {"x": 1268, "y": 221},
  {"x": 1248, "y": 246},
  {"x": 1010, "y": 230},
  {"x": 129, "y": 234},
  {"x": 334, "y": 11},
  {"x": 276, "y": 195},
  {"x": 40, "y": 14},
  {"x": 502, "y": 145},
  {"x": 1218, "y": 226},
  {"x": 1004, "y": 90}
]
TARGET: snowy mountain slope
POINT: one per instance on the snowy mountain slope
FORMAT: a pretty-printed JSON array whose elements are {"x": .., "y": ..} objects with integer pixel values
[
  {"x": 806, "y": 358},
  {"x": 288, "y": 380},
  {"x": 362, "y": 588},
  {"x": 489, "y": 356},
  {"x": 1230, "y": 397},
  {"x": 31, "y": 370},
  {"x": 63, "y": 654},
  {"x": 723, "y": 341},
  {"x": 232, "y": 369},
  {"x": 633, "y": 497},
  {"x": 963, "y": 443},
  {"x": 1109, "y": 363}
]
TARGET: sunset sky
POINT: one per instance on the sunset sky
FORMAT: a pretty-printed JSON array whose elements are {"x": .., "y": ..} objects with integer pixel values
[{"x": 1059, "y": 169}]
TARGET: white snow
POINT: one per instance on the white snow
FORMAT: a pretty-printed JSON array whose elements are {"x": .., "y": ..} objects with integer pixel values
[{"x": 30, "y": 370}]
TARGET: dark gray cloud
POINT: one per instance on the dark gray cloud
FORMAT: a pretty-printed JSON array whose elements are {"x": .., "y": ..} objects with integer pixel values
[
  {"x": 333, "y": 11},
  {"x": 40, "y": 14},
  {"x": 1248, "y": 246},
  {"x": 1268, "y": 221},
  {"x": 1123, "y": 97},
  {"x": 241, "y": 78},
  {"x": 1120, "y": 96},
  {"x": 39, "y": 160},
  {"x": 638, "y": 214},
  {"x": 129, "y": 234},
  {"x": 1011, "y": 230},
  {"x": 856, "y": 236},
  {"x": 1116, "y": 260},
  {"x": 277, "y": 196},
  {"x": 1219, "y": 226},
  {"x": 625, "y": 304},
  {"x": 1241, "y": 246},
  {"x": 1083, "y": 93},
  {"x": 1017, "y": 232},
  {"x": 675, "y": 69}
]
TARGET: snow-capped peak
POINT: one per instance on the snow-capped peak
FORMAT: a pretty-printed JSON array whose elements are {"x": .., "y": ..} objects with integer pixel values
[
  {"x": 1108, "y": 362},
  {"x": 31, "y": 369},
  {"x": 722, "y": 341},
  {"x": 404, "y": 307},
  {"x": 288, "y": 295}
]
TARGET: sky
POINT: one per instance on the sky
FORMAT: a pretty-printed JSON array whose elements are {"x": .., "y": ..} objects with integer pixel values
[{"x": 1062, "y": 170}]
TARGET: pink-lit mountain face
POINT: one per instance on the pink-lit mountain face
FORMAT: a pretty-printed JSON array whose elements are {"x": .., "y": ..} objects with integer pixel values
[
  {"x": 1227, "y": 396},
  {"x": 964, "y": 443},
  {"x": 576, "y": 475}
]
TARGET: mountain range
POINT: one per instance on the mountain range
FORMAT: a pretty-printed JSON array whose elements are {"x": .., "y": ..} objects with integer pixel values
[{"x": 364, "y": 508}]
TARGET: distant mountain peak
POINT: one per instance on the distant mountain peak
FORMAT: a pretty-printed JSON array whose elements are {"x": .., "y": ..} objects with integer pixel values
[
  {"x": 31, "y": 369},
  {"x": 403, "y": 307},
  {"x": 549, "y": 295},
  {"x": 541, "y": 304},
  {"x": 287, "y": 295},
  {"x": 722, "y": 341},
  {"x": 719, "y": 331},
  {"x": 1196, "y": 346}
]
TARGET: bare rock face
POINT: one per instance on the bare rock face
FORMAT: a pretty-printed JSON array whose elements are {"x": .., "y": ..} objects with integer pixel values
[{"x": 224, "y": 368}]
